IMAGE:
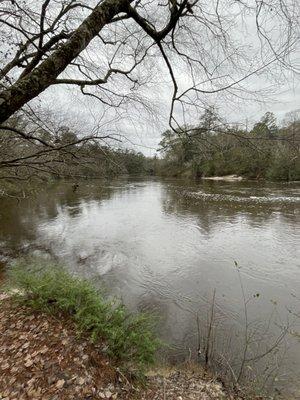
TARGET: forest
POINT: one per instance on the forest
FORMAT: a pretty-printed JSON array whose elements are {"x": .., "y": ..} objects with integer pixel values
[
  {"x": 50, "y": 152},
  {"x": 112, "y": 58},
  {"x": 214, "y": 148}
]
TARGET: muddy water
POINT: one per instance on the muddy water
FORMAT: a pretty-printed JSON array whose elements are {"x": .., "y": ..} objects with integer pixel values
[{"x": 168, "y": 246}]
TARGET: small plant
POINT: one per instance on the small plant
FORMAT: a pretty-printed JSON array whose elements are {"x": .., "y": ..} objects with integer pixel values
[{"x": 128, "y": 337}]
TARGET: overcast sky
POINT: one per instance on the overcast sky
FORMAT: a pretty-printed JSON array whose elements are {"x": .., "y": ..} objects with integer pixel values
[
  {"x": 276, "y": 89},
  {"x": 142, "y": 131}
]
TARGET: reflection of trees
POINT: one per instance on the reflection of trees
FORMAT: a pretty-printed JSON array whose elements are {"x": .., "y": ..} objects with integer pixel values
[
  {"x": 12, "y": 229},
  {"x": 19, "y": 218},
  {"x": 212, "y": 204}
]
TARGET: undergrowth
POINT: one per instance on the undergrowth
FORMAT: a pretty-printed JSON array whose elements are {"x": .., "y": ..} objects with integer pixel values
[{"x": 127, "y": 337}]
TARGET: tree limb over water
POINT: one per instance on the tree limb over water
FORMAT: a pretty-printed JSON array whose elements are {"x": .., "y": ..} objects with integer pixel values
[{"x": 109, "y": 46}]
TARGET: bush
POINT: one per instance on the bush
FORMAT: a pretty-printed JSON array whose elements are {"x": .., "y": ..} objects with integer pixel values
[{"x": 128, "y": 337}]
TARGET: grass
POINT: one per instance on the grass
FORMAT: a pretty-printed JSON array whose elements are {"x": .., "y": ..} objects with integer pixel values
[{"x": 127, "y": 337}]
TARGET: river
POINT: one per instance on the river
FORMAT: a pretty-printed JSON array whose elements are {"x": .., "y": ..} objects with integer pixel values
[{"x": 197, "y": 254}]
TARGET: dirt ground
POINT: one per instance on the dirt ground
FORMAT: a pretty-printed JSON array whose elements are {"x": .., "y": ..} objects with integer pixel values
[{"x": 42, "y": 358}]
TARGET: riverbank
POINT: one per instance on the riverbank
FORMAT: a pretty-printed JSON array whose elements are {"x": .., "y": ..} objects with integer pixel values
[
  {"x": 227, "y": 178},
  {"x": 42, "y": 357},
  {"x": 62, "y": 340}
]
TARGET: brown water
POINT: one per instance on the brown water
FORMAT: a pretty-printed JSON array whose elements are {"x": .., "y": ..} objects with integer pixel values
[{"x": 166, "y": 245}]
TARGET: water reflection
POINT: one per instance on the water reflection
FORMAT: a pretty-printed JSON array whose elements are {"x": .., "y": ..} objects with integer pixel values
[{"x": 166, "y": 245}]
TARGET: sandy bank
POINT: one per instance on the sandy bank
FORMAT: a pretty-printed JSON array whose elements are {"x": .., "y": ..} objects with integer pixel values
[{"x": 229, "y": 178}]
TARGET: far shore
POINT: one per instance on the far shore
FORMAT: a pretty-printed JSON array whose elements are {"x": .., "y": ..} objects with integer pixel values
[{"x": 223, "y": 178}]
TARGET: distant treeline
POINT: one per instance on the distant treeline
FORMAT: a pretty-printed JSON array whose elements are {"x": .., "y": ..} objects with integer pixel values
[
  {"x": 214, "y": 148},
  {"x": 29, "y": 151}
]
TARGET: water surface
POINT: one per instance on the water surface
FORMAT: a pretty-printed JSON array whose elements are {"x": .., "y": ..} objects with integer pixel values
[{"x": 168, "y": 245}]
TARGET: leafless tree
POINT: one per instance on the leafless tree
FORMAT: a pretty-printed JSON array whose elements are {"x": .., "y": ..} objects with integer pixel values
[
  {"x": 105, "y": 47},
  {"x": 112, "y": 50}
]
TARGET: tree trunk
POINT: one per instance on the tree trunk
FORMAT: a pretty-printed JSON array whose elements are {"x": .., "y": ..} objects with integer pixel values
[{"x": 31, "y": 85}]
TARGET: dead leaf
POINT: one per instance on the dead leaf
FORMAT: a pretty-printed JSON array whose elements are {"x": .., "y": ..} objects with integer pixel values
[
  {"x": 4, "y": 366},
  {"x": 60, "y": 383},
  {"x": 28, "y": 363}
]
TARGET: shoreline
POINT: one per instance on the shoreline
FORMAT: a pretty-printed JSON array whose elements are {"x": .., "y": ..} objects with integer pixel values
[
  {"x": 42, "y": 357},
  {"x": 164, "y": 374},
  {"x": 228, "y": 178}
]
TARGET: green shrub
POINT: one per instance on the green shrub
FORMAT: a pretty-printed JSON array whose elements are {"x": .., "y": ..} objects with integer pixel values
[{"x": 128, "y": 337}]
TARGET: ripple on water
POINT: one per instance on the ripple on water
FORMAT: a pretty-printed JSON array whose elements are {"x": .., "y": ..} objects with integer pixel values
[{"x": 241, "y": 199}]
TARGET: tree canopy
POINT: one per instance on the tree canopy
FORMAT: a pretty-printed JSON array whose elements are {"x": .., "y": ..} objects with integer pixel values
[
  {"x": 214, "y": 148},
  {"x": 111, "y": 49}
]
